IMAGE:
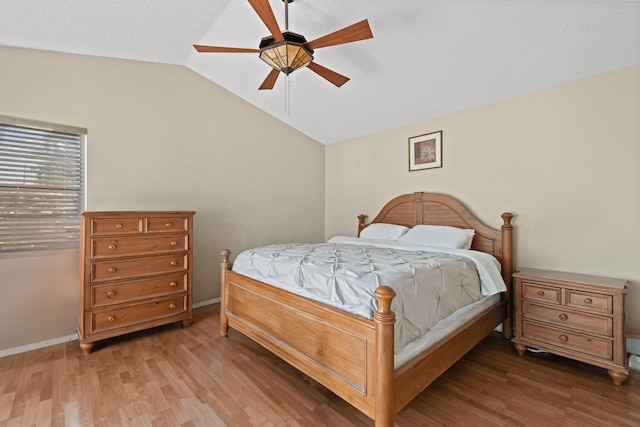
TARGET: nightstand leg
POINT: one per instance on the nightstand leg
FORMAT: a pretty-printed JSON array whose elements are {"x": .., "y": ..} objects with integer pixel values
[
  {"x": 520, "y": 349},
  {"x": 617, "y": 377}
]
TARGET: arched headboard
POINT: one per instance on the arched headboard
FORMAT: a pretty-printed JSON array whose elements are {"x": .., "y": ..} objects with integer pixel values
[{"x": 440, "y": 209}]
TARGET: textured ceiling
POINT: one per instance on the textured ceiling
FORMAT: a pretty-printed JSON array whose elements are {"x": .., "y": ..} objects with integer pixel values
[{"x": 427, "y": 57}]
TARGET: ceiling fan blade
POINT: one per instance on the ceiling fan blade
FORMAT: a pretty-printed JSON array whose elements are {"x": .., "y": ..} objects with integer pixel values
[
  {"x": 331, "y": 76},
  {"x": 270, "y": 81},
  {"x": 352, "y": 33},
  {"x": 201, "y": 48},
  {"x": 265, "y": 13}
]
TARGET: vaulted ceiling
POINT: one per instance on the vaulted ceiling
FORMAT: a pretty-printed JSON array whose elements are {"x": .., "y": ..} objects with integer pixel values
[{"x": 427, "y": 57}]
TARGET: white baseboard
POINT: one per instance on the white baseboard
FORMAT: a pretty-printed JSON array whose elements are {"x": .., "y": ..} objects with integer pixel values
[
  {"x": 207, "y": 302},
  {"x": 72, "y": 337},
  {"x": 37, "y": 345}
]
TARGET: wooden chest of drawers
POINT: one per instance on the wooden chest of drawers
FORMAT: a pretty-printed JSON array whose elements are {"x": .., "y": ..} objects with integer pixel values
[
  {"x": 572, "y": 315},
  {"x": 135, "y": 272}
]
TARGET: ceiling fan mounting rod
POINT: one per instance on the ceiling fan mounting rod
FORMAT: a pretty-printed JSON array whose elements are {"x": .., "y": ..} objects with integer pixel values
[{"x": 286, "y": 14}]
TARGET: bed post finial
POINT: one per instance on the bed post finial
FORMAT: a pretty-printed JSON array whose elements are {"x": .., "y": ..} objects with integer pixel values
[
  {"x": 384, "y": 319},
  {"x": 361, "y": 222},
  {"x": 226, "y": 253},
  {"x": 506, "y": 217},
  {"x": 224, "y": 267}
]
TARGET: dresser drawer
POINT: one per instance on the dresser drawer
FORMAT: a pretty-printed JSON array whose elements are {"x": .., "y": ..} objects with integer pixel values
[
  {"x": 536, "y": 292},
  {"x": 167, "y": 224},
  {"x": 123, "y": 292},
  {"x": 601, "y": 325},
  {"x": 139, "y": 245},
  {"x": 107, "y": 226},
  {"x": 590, "y": 300},
  {"x": 122, "y": 316},
  {"x": 102, "y": 271},
  {"x": 598, "y": 347}
]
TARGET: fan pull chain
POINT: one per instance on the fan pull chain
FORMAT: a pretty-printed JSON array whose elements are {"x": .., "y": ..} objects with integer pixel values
[{"x": 287, "y": 96}]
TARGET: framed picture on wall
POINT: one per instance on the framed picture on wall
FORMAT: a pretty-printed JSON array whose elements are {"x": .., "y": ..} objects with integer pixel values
[{"x": 425, "y": 151}]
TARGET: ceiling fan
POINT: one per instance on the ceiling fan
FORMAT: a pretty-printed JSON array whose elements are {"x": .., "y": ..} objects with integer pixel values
[{"x": 286, "y": 51}]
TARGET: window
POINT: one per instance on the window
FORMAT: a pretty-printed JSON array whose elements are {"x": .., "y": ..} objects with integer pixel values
[{"x": 42, "y": 175}]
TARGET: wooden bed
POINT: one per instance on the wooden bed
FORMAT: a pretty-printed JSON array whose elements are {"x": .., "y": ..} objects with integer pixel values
[{"x": 354, "y": 356}]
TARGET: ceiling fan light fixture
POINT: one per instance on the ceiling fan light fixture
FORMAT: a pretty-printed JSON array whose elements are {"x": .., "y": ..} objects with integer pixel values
[
  {"x": 286, "y": 56},
  {"x": 285, "y": 51}
]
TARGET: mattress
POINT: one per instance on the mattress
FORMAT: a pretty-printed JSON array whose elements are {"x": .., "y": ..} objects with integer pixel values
[{"x": 430, "y": 283}]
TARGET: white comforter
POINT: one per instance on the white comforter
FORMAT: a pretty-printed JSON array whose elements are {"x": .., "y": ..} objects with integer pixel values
[{"x": 430, "y": 283}]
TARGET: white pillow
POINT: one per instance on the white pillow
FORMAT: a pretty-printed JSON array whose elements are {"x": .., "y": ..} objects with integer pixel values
[
  {"x": 440, "y": 236},
  {"x": 383, "y": 231}
]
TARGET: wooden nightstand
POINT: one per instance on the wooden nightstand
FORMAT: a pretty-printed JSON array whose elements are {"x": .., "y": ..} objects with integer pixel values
[{"x": 572, "y": 315}]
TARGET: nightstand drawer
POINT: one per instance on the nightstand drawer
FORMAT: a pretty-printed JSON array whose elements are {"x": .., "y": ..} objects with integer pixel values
[
  {"x": 598, "y": 347},
  {"x": 590, "y": 300},
  {"x": 536, "y": 292},
  {"x": 600, "y": 325}
]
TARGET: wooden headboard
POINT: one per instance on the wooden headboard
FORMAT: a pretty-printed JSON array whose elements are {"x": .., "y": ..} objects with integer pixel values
[{"x": 440, "y": 209}]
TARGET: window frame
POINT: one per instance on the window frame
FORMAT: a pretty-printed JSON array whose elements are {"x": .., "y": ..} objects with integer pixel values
[{"x": 60, "y": 220}]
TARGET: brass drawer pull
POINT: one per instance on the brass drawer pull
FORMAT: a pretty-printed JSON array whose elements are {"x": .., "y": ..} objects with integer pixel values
[
  {"x": 118, "y": 225},
  {"x": 110, "y": 294},
  {"x": 541, "y": 293},
  {"x": 563, "y": 338},
  {"x": 563, "y": 316},
  {"x": 111, "y": 318},
  {"x": 111, "y": 246},
  {"x": 174, "y": 243},
  {"x": 174, "y": 263},
  {"x": 111, "y": 269},
  {"x": 173, "y": 284},
  {"x": 172, "y": 306},
  {"x": 168, "y": 224},
  {"x": 588, "y": 301}
]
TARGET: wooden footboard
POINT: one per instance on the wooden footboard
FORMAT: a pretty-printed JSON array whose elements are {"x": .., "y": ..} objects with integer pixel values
[{"x": 350, "y": 355}]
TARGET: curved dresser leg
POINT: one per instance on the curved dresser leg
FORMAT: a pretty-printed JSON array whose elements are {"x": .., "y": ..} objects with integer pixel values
[
  {"x": 86, "y": 347},
  {"x": 617, "y": 377}
]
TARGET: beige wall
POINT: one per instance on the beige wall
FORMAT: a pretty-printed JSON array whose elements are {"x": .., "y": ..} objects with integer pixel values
[
  {"x": 565, "y": 161},
  {"x": 159, "y": 137}
]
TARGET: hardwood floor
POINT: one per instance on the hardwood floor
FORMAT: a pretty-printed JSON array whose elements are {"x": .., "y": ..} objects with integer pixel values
[{"x": 173, "y": 376}]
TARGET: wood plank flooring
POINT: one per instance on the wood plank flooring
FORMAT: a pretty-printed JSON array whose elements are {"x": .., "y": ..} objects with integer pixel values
[{"x": 174, "y": 376}]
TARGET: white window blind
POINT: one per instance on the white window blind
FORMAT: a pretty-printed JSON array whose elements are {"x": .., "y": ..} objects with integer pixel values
[{"x": 41, "y": 185}]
